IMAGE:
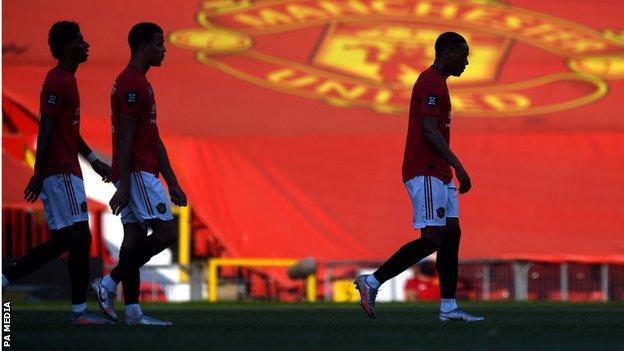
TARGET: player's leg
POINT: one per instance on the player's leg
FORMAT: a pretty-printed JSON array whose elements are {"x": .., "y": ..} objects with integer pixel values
[
  {"x": 79, "y": 251},
  {"x": 37, "y": 257},
  {"x": 408, "y": 255},
  {"x": 149, "y": 203},
  {"x": 59, "y": 209},
  {"x": 135, "y": 259},
  {"x": 424, "y": 199},
  {"x": 105, "y": 288},
  {"x": 164, "y": 235},
  {"x": 78, "y": 267},
  {"x": 75, "y": 241},
  {"x": 448, "y": 265},
  {"x": 447, "y": 262},
  {"x": 80, "y": 239},
  {"x": 425, "y": 194},
  {"x": 65, "y": 210},
  {"x": 78, "y": 263},
  {"x": 134, "y": 233}
]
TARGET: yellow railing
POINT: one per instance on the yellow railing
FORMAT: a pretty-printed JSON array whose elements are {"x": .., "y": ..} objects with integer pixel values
[
  {"x": 215, "y": 263},
  {"x": 184, "y": 240}
]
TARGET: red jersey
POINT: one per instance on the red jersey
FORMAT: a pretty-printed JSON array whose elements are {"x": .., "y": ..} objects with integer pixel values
[
  {"x": 430, "y": 97},
  {"x": 59, "y": 99},
  {"x": 132, "y": 95}
]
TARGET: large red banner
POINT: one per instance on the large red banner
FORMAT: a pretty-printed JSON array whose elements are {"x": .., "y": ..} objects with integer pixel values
[{"x": 286, "y": 120}]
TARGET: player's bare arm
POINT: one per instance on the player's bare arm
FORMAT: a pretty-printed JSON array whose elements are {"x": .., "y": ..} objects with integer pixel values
[
  {"x": 433, "y": 136},
  {"x": 101, "y": 168},
  {"x": 128, "y": 126},
  {"x": 178, "y": 196},
  {"x": 44, "y": 138}
]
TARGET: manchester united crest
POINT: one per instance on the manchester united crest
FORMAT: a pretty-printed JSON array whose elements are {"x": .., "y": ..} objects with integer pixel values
[{"x": 368, "y": 53}]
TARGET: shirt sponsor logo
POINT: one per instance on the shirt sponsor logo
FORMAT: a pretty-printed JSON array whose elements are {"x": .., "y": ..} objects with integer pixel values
[{"x": 370, "y": 52}]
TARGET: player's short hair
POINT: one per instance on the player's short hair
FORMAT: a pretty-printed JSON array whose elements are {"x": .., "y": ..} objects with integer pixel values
[
  {"x": 142, "y": 33},
  {"x": 448, "y": 40},
  {"x": 62, "y": 33}
]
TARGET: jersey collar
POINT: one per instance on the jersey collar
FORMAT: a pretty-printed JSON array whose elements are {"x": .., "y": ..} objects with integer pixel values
[{"x": 136, "y": 68}]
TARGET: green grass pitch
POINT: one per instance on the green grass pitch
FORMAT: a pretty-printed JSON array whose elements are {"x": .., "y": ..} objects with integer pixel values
[{"x": 321, "y": 326}]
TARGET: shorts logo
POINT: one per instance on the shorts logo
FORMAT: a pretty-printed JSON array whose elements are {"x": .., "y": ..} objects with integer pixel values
[
  {"x": 52, "y": 99},
  {"x": 368, "y": 53},
  {"x": 432, "y": 100},
  {"x": 83, "y": 206},
  {"x": 441, "y": 212},
  {"x": 131, "y": 98},
  {"x": 161, "y": 208}
]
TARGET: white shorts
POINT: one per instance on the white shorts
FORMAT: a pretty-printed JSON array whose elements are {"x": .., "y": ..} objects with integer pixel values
[
  {"x": 432, "y": 201},
  {"x": 148, "y": 200},
  {"x": 64, "y": 200}
]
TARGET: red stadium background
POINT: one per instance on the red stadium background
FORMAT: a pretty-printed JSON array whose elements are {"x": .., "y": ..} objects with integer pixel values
[{"x": 286, "y": 120}]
